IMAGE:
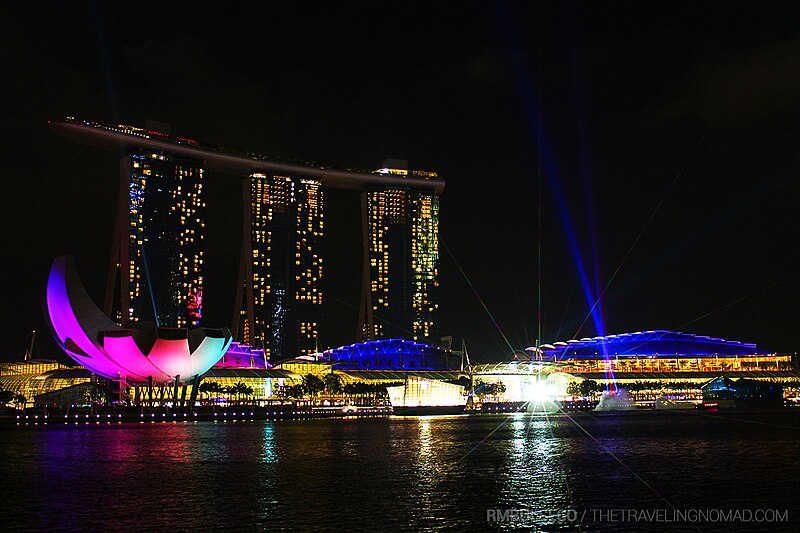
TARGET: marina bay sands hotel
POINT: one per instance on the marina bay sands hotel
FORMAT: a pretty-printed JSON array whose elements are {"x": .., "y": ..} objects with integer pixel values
[{"x": 157, "y": 258}]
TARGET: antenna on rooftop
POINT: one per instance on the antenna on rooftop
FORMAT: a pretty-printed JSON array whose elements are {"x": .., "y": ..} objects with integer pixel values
[
  {"x": 464, "y": 354},
  {"x": 29, "y": 351}
]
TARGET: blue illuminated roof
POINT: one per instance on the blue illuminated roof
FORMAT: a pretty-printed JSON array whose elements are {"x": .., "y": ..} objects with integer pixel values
[
  {"x": 390, "y": 354},
  {"x": 660, "y": 343}
]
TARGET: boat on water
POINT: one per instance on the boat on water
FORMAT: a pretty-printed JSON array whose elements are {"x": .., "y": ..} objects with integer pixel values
[{"x": 418, "y": 396}]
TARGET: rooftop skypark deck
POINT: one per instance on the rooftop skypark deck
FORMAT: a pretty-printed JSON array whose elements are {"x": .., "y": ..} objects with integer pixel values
[{"x": 124, "y": 139}]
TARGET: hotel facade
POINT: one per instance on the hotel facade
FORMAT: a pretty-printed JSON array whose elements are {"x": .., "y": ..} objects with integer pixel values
[
  {"x": 158, "y": 248},
  {"x": 401, "y": 260},
  {"x": 281, "y": 269}
]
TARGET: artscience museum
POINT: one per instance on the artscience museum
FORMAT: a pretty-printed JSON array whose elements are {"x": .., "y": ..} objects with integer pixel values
[{"x": 147, "y": 354}]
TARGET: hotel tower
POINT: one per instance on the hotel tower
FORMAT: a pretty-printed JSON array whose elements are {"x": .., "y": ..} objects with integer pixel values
[
  {"x": 400, "y": 228},
  {"x": 280, "y": 278},
  {"x": 157, "y": 249}
]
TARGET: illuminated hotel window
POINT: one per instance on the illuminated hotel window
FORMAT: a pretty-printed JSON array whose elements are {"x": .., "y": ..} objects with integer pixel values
[
  {"x": 403, "y": 233},
  {"x": 286, "y": 213},
  {"x": 165, "y": 281}
]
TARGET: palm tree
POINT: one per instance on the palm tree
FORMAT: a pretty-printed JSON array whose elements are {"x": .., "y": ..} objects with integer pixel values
[
  {"x": 312, "y": 384},
  {"x": 19, "y": 399},
  {"x": 6, "y": 396},
  {"x": 211, "y": 387},
  {"x": 230, "y": 391},
  {"x": 206, "y": 387},
  {"x": 243, "y": 390},
  {"x": 574, "y": 388},
  {"x": 589, "y": 386},
  {"x": 333, "y": 383},
  {"x": 361, "y": 389},
  {"x": 295, "y": 392}
]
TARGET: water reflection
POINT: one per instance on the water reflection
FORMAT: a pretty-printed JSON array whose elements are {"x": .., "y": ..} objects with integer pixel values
[
  {"x": 426, "y": 455},
  {"x": 426, "y": 473},
  {"x": 435, "y": 467},
  {"x": 266, "y": 492},
  {"x": 534, "y": 477},
  {"x": 269, "y": 453}
]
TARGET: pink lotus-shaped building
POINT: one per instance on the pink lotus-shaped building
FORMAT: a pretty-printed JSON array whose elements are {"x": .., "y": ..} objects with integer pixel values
[{"x": 145, "y": 354}]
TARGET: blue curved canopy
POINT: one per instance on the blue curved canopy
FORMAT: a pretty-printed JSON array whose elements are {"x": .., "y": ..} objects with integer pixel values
[
  {"x": 391, "y": 354},
  {"x": 660, "y": 343}
]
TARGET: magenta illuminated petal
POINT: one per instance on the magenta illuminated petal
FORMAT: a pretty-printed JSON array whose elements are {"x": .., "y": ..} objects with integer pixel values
[
  {"x": 124, "y": 348},
  {"x": 172, "y": 357},
  {"x": 97, "y": 343},
  {"x": 68, "y": 330}
]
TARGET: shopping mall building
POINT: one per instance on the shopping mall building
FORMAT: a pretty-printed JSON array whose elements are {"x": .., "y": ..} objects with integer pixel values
[{"x": 654, "y": 361}]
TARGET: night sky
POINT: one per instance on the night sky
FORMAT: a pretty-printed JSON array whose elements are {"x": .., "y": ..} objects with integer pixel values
[{"x": 663, "y": 138}]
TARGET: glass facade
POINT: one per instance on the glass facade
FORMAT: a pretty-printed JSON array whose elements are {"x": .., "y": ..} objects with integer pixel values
[
  {"x": 286, "y": 230},
  {"x": 680, "y": 363},
  {"x": 418, "y": 392},
  {"x": 402, "y": 240},
  {"x": 32, "y": 378},
  {"x": 166, "y": 229}
]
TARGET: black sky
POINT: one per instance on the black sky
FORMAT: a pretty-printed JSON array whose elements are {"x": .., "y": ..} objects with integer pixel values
[{"x": 670, "y": 128}]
